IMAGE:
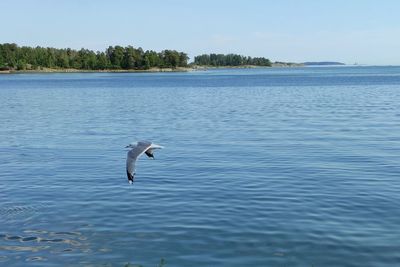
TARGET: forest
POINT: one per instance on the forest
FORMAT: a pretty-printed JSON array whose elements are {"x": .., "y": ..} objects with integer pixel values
[
  {"x": 117, "y": 57},
  {"x": 230, "y": 60}
]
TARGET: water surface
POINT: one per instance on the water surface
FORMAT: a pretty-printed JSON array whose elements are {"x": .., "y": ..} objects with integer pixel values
[{"x": 262, "y": 167}]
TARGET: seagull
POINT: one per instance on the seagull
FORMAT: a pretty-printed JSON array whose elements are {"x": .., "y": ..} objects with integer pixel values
[{"x": 136, "y": 151}]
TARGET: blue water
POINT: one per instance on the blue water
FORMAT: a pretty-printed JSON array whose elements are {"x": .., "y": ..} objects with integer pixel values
[{"x": 261, "y": 167}]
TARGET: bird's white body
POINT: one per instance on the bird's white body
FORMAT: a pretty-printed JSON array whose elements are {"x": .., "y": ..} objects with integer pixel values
[{"x": 137, "y": 150}]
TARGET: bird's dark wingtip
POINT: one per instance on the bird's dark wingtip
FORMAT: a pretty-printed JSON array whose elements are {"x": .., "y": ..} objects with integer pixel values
[
  {"x": 149, "y": 154},
  {"x": 130, "y": 177}
]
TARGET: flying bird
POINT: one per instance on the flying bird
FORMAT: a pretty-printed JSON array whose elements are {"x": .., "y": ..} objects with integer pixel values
[{"x": 133, "y": 154}]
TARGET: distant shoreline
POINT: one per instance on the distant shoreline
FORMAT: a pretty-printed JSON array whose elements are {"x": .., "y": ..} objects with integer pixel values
[
  {"x": 151, "y": 70},
  {"x": 50, "y": 70},
  {"x": 118, "y": 59},
  {"x": 273, "y": 65}
]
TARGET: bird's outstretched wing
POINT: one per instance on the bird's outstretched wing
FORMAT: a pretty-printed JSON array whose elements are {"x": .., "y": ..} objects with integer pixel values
[
  {"x": 133, "y": 154},
  {"x": 149, "y": 151}
]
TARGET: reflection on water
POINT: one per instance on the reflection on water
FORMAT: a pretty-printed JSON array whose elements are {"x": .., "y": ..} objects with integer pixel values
[{"x": 38, "y": 241}]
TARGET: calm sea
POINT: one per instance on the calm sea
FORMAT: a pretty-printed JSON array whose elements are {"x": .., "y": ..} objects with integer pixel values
[{"x": 261, "y": 167}]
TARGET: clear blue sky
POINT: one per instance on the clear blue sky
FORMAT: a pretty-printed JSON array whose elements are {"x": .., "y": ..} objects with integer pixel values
[{"x": 363, "y": 31}]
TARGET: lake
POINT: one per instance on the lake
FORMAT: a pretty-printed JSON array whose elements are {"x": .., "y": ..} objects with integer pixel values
[{"x": 261, "y": 167}]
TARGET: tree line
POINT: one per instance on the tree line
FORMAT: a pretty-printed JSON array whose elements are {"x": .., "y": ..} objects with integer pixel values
[
  {"x": 230, "y": 60},
  {"x": 117, "y": 57}
]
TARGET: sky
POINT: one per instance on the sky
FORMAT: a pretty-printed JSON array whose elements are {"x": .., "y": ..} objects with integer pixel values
[{"x": 349, "y": 31}]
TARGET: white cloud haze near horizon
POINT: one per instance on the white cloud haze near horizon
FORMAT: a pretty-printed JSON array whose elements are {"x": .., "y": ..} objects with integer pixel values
[{"x": 366, "y": 32}]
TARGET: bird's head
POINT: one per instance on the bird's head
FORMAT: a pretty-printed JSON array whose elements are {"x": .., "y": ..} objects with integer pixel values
[{"x": 130, "y": 146}]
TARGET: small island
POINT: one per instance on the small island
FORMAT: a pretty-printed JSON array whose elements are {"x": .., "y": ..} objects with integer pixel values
[
  {"x": 221, "y": 60},
  {"x": 238, "y": 61}
]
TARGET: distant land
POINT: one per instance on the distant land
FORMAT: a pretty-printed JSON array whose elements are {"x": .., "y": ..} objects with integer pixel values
[
  {"x": 114, "y": 58},
  {"x": 14, "y": 58},
  {"x": 222, "y": 60},
  {"x": 323, "y": 63},
  {"x": 237, "y": 61}
]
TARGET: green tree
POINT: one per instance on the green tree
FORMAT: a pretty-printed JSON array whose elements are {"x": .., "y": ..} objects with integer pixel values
[
  {"x": 117, "y": 57},
  {"x": 128, "y": 61},
  {"x": 102, "y": 61},
  {"x": 154, "y": 59},
  {"x": 21, "y": 64},
  {"x": 170, "y": 58},
  {"x": 146, "y": 62},
  {"x": 183, "y": 59}
]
